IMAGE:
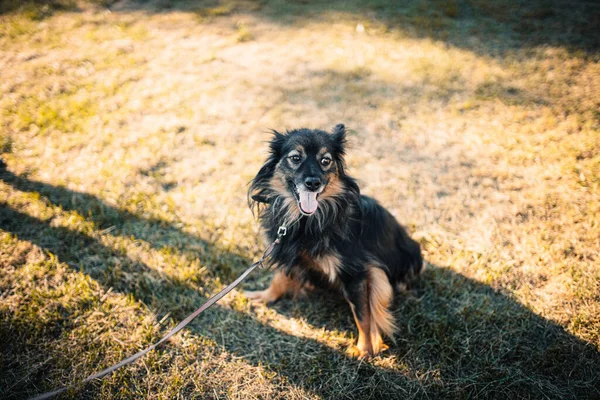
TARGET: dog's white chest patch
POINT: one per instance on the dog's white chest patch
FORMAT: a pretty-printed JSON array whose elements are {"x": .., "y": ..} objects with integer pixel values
[{"x": 330, "y": 265}]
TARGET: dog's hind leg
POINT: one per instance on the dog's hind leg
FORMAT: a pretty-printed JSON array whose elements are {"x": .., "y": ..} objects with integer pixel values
[
  {"x": 370, "y": 301},
  {"x": 381, "y": 294},
  {"x": 281, "y": 285}
]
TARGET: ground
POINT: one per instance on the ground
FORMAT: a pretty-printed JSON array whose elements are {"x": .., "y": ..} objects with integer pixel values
[{"x": 129, "y": 131}]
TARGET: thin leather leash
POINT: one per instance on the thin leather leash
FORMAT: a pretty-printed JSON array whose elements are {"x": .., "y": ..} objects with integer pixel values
[{"x": 281, "y": 232}]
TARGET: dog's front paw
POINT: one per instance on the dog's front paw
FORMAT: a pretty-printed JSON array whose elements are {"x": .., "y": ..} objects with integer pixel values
[
  {"x": 359, "y": 352},
  {"x": 355, "y": 352},
  {"x": 263, "y": 296}
]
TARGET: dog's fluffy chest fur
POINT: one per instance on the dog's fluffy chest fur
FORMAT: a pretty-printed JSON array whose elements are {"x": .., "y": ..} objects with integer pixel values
[{"x": 310, "y": 252}]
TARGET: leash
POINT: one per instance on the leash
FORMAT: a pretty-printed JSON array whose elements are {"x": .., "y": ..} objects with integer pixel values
[{"x": 281, "y": 232}]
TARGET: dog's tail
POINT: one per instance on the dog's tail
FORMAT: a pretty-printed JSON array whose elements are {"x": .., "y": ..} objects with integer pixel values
[
  {"x": 380, "y": 295},
  {"x": 412, "y": 257}
]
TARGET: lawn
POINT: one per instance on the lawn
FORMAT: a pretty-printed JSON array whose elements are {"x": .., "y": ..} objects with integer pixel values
[{"x": 129, "y": 131}]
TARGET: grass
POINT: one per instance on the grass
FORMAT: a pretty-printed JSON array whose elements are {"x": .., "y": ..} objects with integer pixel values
[{"x": 128, "y": 138}]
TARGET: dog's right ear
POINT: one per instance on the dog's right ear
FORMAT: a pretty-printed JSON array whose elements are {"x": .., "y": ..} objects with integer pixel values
[
  {"x": 260, "y": 190},
  {"x": 339, "y": 139}
]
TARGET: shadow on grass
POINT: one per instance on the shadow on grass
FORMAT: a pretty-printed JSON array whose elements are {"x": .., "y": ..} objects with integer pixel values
[
  {"x": 457, "y": 337},
  {"x": 484, "y": 26},
  {"x": 478, "y": 341}
]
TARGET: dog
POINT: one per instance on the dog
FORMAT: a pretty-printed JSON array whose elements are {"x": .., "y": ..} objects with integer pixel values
[{"x": 335, "y": 237}]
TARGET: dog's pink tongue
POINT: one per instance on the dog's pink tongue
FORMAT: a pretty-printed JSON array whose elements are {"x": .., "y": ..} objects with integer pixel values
[{"x": 308, "y": 201}]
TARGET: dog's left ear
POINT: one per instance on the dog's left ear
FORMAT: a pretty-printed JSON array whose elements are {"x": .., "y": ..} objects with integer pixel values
[
  {"x": 339, "y": 138},
  {"x": 259, "y": 186}
]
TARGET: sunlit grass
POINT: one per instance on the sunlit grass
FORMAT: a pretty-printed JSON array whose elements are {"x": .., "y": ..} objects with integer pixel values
[{"x": 129, "y": 137}]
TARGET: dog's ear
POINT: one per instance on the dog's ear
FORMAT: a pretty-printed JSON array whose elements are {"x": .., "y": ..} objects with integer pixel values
[
  {"x": 339, "y": 139},
  {"x": 260, "y": 191},
  {"x": 276, "y": 144}
]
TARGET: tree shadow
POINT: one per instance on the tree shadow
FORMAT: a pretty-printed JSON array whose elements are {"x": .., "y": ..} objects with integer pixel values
[
  {"x": 108, "y": 265},
  {"x": 483, "y": 26},
  {"x": 479, "y": 340},
  {"x": 267, "y": 346},
  {"x": 475, "y": 340},
  {"x": 116, "y": 222}
]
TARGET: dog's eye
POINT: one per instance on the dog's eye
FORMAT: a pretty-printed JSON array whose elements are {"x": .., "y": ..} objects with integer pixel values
[
  {"x": 295, "y": 159},
  {"x": 325, "y": 162}
]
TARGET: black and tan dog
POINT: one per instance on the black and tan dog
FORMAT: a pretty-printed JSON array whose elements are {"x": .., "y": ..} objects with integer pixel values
[{"x": 335, "y": 236}]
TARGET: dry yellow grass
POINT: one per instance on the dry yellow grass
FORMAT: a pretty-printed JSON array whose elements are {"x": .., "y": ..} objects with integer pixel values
[{"x": 129, "y": 134}]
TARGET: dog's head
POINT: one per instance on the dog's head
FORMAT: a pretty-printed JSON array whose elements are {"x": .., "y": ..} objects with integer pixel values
[{"x": 305, "y": 168}]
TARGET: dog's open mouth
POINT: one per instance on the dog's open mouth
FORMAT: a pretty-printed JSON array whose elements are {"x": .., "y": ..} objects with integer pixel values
[{"x": 307, "y": 200}]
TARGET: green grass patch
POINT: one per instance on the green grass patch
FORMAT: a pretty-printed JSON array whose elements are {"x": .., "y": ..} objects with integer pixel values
[{"x": 65, "y": 112}]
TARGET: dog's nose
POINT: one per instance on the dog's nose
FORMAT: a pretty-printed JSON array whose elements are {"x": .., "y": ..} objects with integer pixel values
[{"x": 312, "y": 183}]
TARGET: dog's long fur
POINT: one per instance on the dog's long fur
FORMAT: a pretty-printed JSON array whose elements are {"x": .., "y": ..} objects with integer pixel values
[{"x": 350, "y": 242}]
